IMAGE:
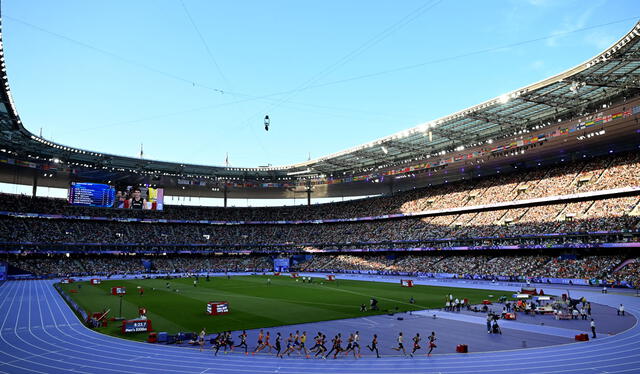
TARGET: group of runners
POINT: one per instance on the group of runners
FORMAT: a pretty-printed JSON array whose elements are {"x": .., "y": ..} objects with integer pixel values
[
  {"x": 416, "y": 344},
  {"x": 294, "y": 342},
  {"x": 297, "y": 343}
]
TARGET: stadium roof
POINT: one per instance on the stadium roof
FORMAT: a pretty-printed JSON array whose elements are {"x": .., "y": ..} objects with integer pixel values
[
  {"x": 567, "y": 95},
  {"x": 609, "y": 76}
]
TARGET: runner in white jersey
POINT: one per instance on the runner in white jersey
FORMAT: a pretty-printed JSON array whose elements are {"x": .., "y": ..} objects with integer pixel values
[
  {"x": 201, "y": 338},
  {"x": 400, "y": 344},
  {"x": 356, "y": 342}
]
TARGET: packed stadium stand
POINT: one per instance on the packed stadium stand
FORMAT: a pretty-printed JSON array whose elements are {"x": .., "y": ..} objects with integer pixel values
[
  {"x": 583, "y": 175},
  {"x": 615, "y": 269},
  {"x": 596, "y": 221},
  {"x": 599, "y": 213}
]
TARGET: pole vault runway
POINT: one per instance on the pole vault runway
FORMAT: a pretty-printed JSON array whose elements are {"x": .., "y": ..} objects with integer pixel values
[{"x": 40, "y": 334}]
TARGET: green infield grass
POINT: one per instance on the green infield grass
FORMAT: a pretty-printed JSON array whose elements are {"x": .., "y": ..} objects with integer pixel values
[{"x": 253, "y": 303}]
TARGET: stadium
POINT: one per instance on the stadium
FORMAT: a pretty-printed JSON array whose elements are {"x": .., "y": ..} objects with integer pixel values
[{"x": 501, "y": 237}]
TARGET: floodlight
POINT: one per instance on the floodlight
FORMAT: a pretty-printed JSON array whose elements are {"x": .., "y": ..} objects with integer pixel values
[{"x": 503, "y": 99}]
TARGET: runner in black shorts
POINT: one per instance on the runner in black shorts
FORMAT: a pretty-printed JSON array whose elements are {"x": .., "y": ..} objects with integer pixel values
[
  {"x": 260, "y": 336},
  {"x": 296, "y": 340},
  {"x": 400, "y": 344},
  {"x": 243, "y": 341},
  {"x": 416, "y": 344},
  {"x": 350, "y": 347},
  {"x": 290, "y": 346},
  {"x": 229, "y": 341},
  {"x": 374, "y": 345},
  {"x": 337, "y": 346},
  {"x": 217, "y": 343},
  {"x": 356, "y": 342},
  {"x": 316, "y": 339},
  {"x": 224, "y": 342},
  {"x": 265, "y": 343},
  {"x": 278, "y": 347},
  {"x": 320, "y": 340}
]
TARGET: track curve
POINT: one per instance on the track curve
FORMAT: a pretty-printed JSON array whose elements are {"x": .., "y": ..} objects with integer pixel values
[{"x": 40, "y": 334}]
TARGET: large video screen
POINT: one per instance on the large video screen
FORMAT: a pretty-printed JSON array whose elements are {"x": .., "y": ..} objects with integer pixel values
[
  {"x": 281, "y": 264},
  {"x": 92, "y": 194},
  {"x": 143, "y": 197}
]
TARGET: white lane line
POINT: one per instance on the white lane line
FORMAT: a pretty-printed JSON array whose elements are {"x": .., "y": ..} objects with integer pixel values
[{"x": 285, "y": 369}]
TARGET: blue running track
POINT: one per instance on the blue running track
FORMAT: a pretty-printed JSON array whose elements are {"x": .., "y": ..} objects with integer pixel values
[{"x": 40, "y": 334}]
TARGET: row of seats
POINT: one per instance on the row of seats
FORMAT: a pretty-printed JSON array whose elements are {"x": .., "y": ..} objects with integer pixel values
[
  {"x": 602, "y": 173},
  {"x": 616, "y": 267},
  {"x": 127, "y": 265},
  {"x": 587, "y": 216}
]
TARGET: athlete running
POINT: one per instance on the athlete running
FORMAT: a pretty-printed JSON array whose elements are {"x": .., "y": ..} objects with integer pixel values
[
  {"x": 416, "y": 344},
  {"x": 260, "y": 337},
  {"x": 400, "y": 344},
  {"x": 432, "y": 342},
  {"x": 243, "y": 341},
  {"x": 374, "y": 345}
]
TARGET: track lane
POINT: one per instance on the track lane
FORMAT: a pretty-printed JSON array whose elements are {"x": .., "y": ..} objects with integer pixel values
[{"x": 65, "y": 344}]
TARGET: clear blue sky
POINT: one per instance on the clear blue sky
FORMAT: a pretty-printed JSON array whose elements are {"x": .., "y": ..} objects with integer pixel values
[{"x": 109, "y": 75}]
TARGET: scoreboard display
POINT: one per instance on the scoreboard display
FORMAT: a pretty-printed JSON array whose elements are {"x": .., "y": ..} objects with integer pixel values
[
  {"x": 136, "y": 325},
  {"x": 118, "y": 291},
  {"x": 92, "y": 194},
  {"x": 281, "y": 265},
  {"x": 217, "y": 307},
  {"x": 406, "y": 282}
]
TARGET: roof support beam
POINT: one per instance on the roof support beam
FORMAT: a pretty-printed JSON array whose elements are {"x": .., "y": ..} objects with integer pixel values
[{"x": 504, "y": 121}]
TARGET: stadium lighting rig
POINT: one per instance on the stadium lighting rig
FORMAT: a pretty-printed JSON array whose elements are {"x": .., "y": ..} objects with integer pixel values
[
  {"x": 503, "y": 99},
  {"x": 307, "y": 171}
]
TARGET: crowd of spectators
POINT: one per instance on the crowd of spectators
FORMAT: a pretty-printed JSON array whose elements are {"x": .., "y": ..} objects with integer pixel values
[
  {"x": 487, "y": 267},
  {"x": 417, "y": 264},
  {"x": 110, "y": 265},
  {"x": 585, "y": 267},
  {"x": 512, "y": 266},
  {"x": 608, "y": 268},
  {"x": 582, "y": 217},
  {"x": 197, "y": 264},
  {"x": 628, "y": 272},
  {"x": 105, "y": 265},
  {"x": 69, "y": 266},
  {"x": 349, "y": 263},
  {"x": 459, "y": 265},
  {"x": 41, "y": 266},
  {"x": 594, "y": 174},
  {"x": 572, "y": 224}
]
